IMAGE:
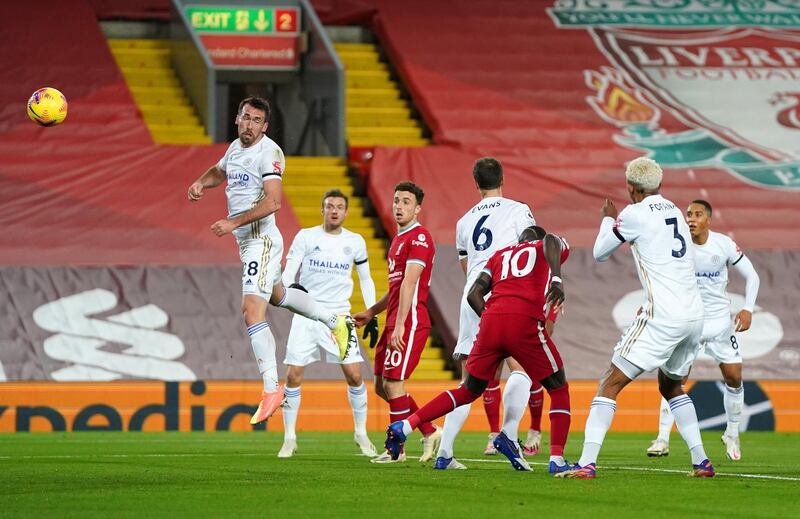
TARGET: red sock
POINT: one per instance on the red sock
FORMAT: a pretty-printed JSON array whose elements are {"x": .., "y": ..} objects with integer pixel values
[
  {"x": 535, "y": 406},
  {"x": 559, "y": 419},
  {"x": 426, "y": 428},
  {"x": 491, "y": 404},
  {"x": 441, "y": 405},
  {"x": 399, "y": 408}
]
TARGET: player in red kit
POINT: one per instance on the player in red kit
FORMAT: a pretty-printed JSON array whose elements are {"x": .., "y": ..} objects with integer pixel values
[
  {"x": 400, "y": 347},
  {"x": 523, "y": 279}
]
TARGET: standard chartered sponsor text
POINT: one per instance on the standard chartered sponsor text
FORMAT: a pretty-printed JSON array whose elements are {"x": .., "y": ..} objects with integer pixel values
[{"x": 249, "y": 53}]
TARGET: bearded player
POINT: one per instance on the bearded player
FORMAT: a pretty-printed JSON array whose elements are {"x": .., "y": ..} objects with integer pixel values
[{"x": 253, "y": 168}]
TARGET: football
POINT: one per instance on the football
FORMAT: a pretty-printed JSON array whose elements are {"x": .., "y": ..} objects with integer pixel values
[{"x": 47, "y": 107}]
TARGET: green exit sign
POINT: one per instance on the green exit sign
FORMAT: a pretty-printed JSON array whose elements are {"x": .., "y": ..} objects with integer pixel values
[{"x": 236, "y": 20}]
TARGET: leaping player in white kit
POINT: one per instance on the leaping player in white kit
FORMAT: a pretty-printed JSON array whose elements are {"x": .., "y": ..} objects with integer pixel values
[
  {"x": 324, "y": 256},
  {"x": 714, "y": 253},
  {"x": 253, "y": 167},
  {"x": 666, "y": 332},
  {"x": 492, "y": 224}
]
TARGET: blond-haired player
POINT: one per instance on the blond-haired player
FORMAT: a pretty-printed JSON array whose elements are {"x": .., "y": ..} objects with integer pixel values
[
  {"x": 666, "y": 332},
  {"x": 253, "y": 167}
]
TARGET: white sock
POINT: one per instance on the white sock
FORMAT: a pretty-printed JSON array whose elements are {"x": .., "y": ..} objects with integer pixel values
[
  {"x": 453, "y": 423},
  {"x": 558, "y": 459},
  {"x": 685, "y": 415},
  {"x": 734, "y": 403},
  {"x": 357, "y": 396},
  {"x": 299, "y": 302},
  {"x": 407, "y": 429},
  {"x": 290, "y": 412},
  {"x": 601, "y": 414},
  {"x": 264, "y": 349},
  {"x": 515, "y": 400},
  {"x": 665, "y": 421}
]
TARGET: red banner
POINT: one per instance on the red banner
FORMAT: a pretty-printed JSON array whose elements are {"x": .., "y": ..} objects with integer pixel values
[{"x": 252, "y": 51}]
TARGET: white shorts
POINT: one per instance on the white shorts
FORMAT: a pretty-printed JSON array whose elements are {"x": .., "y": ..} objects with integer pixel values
[
  {"x": 719, "y": 341},
  {"x": 468, "y": 324},
  {"x": 261, "y": 265},
  {"x": 648, "y": 344},
  {"x": 307, "y": 338}
]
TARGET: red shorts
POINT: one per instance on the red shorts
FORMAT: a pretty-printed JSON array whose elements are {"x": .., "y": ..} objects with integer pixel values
[
  {"x": 518, "y": 336},
  {"x": 395, "y": 364}
]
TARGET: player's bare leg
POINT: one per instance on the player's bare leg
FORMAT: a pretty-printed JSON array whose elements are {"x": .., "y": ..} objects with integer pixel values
[
  {"x": 357, "y": 397},
  {"x": 733, "y": 400},
  {"x": 294, "y": 379},
  {"x": 299, "y": 302},
  {"x": 254, "y": 309}
]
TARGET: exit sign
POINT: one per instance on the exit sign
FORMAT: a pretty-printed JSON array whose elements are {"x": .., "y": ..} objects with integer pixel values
[{"x": 243, "y": 20}]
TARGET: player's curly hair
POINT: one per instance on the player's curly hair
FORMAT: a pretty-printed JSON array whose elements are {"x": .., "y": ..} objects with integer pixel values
[
  {"x": 411, "y": 188},
  {"x": 644, "y": 173},
  {"x": 259, "y": 103},
  {"x": 488, "y": 173}
]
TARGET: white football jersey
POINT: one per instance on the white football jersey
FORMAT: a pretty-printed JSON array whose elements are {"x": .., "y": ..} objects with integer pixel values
[
  {"x": 246, "y": 170},
  {"x": 492, "y": 224},
  {"x": 326, "y": 263},
  {"x": 664, "y": 256},
  {"x": 711, "y": 262}
]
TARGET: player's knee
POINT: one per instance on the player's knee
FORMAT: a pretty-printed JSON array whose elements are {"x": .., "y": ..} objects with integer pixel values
[
  {"x": 733, "y": 381},
  {"x": 668, "y": 387},
  {"x": 293, "y": 379},
  {"x": 353, "y": 379},
  {"x": 475, "y": 385}
]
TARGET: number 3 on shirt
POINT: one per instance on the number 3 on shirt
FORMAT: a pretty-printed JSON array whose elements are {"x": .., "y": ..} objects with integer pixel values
[
  {"x": 674, "y": 223},
  {"x": 481, "y": 231}
]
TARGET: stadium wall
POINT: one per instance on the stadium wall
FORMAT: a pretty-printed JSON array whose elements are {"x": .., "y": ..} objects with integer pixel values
[{"x": 227, "y": 405}]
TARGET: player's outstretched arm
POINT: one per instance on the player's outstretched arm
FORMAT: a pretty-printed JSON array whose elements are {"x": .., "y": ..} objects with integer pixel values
[
  {"x": 213, "y": 177},
  {"x": 477, "y": 292},
  {"x": 752, "y": 283}
]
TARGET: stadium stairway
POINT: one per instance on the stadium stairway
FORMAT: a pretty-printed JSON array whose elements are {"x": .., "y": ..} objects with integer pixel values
[
  {"x": 376, "y": 113},
  {"x": 307, "y": 178},
  {"x": 158, "y": 93}
]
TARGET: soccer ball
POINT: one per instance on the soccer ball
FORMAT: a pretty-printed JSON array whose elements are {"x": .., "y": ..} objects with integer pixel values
[{"x": 47, "y": 106}]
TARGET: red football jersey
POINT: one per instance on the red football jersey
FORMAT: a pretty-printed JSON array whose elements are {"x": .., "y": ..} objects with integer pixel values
[
  {"x": 520, "y": 279},
  {"x": 413, "y": 245}
]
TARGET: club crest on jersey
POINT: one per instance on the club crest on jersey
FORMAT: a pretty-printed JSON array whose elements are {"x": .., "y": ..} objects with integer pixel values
[
  {"x": 720, "y": 94},
  {"x": 347, "y": 250}
]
